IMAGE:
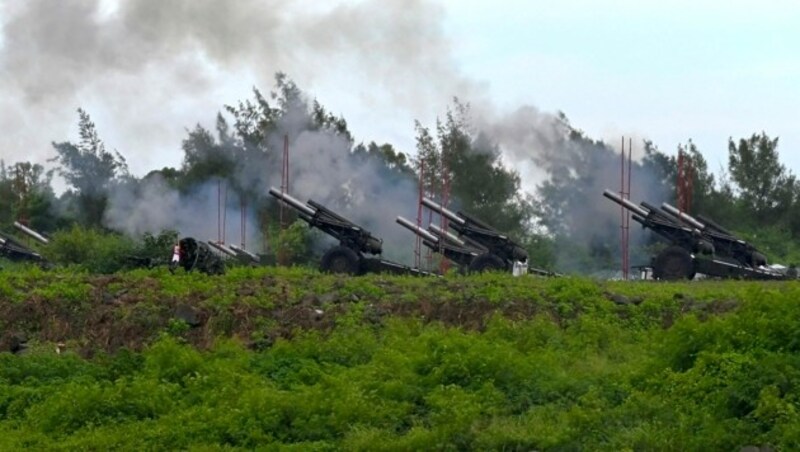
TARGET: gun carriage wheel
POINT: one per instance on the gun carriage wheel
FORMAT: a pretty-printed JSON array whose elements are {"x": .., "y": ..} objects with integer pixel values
[
  {"x": 673, "y": 263},
  {"x": 757, "y": 259},
  {"x": 486, "y": 262},
  {"x": 340, "y": 259}
]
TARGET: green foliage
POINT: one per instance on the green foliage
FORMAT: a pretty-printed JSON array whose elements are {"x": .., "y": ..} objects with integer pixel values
[
  {"x": 26, "y": 195},
  {"x": 90, "y": 170},
  {"x": 152, "y": 249},
  {"x": 470, "y": 166},
  {"x": 765, "y": 185},
  {"x": 397, "y": 163},
  {"x": 483, "y": 362},
  {"x": 90, "y": 249},
  {"x": 292, "y": 245}
]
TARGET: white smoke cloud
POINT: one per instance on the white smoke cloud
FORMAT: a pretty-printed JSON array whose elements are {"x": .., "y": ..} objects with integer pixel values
[
  {"x": 209, "y": 212},
  {"x": 146, "y": 70}
]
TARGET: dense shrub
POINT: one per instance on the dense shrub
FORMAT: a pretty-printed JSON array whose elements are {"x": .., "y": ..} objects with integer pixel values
[
  {"x": 107, "y": 252},
  {"x": 93, "y": 250},
  {"x": 553, "y": 365}
]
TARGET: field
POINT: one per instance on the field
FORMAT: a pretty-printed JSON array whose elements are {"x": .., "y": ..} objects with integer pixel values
[{"x": 289, "y": 359}]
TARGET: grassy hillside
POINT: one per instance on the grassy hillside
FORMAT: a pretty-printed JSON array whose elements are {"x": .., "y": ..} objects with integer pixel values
[{"x": 291, "y": 359}]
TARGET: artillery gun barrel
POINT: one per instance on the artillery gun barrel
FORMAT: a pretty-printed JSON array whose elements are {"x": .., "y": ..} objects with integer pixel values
[
  {"x": 657, "y": 213},
  {"x": 625, "y": 203},
  {"x": 243, "y": 252},
  {"x": 446, "y": 235},
  {"x": 474, "y": 221},
  {"x": 322, "y": 210},
  {"x": 417, "y": 230},
  {"x": 221, "y": 248},
  {"x": 449, "y": 214},
  {"x": 293, "y": 202},
  {"x": 683, "y": 216},
  {"x": 713, "y": 225},
  {"x": 31, "y": 232}
]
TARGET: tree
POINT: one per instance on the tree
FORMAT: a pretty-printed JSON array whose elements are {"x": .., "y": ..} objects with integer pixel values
[
  {"x": 247, "y": 153},
  {"x": 570, "y": 205},
  {"x": 34, "y": 195},
  {"x": 708, "y": 197},
  {"x": 466, "y": 166},
  {"x": 90, "y": 170},
  {"x": 764, "y": 185},
  {"x": 206, "y": 157}
]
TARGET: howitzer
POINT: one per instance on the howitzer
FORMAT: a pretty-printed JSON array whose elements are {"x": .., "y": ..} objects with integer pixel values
[
  {"x": 465, "y": 242},
  {"x": 723, "y": 242},
  {"x": 16, "y": 251},
  {"x": 189, "y": 254},
  {"x": 695, "y": 246},
  {"x": 441, "y": 242},
  {"x": 497, "y": 250},
  {"x": 354, "y": 241},
  {"x": 221, "y": 248},
  {"x": 30, "y": 232},
  {"x": 235, "y": 252},
  {"x": 244, "y": 255},
  {"x": 193, "y": 254}
]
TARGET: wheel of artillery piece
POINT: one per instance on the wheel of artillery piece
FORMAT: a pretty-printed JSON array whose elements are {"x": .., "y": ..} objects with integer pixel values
[
  {"x": 340, "y": 259},
  {"x": 757, "y": 259},
  {"x": 486, "y": 262},
  {"x": 672, "y": 264}
]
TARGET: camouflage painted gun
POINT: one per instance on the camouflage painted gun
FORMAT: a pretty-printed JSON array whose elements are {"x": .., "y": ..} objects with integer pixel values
[
  {"x": 696, "y": 246},
  {"x": 191, "y": 254}
]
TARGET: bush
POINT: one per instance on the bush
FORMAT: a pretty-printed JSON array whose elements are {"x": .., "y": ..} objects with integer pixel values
[{"x": 90, "y": 249}]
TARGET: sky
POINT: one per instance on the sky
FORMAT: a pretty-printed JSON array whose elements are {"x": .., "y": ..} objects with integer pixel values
[
  {"x": 665, "y": 71},
  {"x": 146, "y": 71}
]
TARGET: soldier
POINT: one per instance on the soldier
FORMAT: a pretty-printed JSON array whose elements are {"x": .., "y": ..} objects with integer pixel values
[{"x": 191, "y": 254}]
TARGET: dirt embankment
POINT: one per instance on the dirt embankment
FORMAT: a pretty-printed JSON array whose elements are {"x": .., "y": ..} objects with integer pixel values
[{"x": 112, "y": 312}]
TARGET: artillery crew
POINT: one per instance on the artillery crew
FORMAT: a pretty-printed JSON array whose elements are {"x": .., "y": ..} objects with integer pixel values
[{"x": 192, "y": 254}]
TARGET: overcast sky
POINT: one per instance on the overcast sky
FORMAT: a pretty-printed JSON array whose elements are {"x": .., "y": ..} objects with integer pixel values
[
  {"x": 148, "y": 70},
  {"x": 668, "y": 71}
]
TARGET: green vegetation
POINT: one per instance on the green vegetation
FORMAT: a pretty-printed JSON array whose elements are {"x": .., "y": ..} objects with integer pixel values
[
  {"x": 562, "y": 221},
  {"x": 286, "y": 358}
]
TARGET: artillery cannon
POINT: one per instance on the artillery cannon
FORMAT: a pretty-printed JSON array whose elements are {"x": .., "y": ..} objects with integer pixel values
[
  {"x": 16, "y": 251},
  {"x": 31, "y": 233},
  {"x": 439, "y": 241},
  {"x": 354, "y": 241},
  {"x": 13, "y": 250},
  {"x": 493, "y": 250},
  {"x": 192, "y": 254},
  {"x": 696, "y": 246},
  {"x": 234, "y": 252}
]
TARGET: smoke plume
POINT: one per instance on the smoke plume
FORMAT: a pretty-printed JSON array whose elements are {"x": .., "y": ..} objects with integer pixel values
[{"x": 146, "y": 70}]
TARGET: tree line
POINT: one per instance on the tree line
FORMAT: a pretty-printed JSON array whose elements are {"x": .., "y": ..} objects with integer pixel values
[{"x": 564, "y": 223}]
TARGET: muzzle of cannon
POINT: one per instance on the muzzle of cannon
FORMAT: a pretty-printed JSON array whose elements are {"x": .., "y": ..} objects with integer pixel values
[{"x": 31, "y": 233}]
